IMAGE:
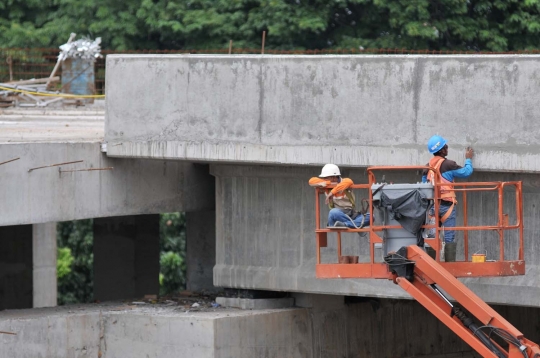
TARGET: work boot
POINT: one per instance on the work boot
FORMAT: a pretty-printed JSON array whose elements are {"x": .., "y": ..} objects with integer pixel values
[{"x": 450, "y": 252}]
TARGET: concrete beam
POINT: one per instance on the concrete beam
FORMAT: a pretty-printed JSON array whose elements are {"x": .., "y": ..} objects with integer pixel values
[
  {"x": 134, "y": 186},
  {"x": 44, "y": 251},
  {"x": 348, "y": 110}
]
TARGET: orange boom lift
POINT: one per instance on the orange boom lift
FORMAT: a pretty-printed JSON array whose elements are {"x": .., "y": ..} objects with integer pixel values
[{"x": 433, "y": 283}]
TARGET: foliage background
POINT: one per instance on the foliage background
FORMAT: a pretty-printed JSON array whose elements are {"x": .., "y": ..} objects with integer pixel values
[{"x": 490, "y": 25}]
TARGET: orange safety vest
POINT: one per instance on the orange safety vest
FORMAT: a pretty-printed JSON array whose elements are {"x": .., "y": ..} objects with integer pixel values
[{"x": 446, "y": 192}]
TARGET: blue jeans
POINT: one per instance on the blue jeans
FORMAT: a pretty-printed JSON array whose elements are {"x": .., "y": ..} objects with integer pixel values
[
  {"x": 338, "y": 215},
  {"x": 450, "y": 222}
]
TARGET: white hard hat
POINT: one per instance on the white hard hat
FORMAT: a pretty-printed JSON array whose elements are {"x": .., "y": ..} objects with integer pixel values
[{"x": 330, "y": 170}]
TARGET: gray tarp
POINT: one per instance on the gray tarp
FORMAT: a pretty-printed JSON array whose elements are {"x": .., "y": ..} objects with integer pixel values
[{"x": 409, "y": 210}]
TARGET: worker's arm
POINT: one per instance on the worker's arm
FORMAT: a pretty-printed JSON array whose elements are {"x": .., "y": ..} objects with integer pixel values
[
  {"x": 318, "y": 182},
  {"x": 464, "y": 171},
  {"x": 345, "y": 184},
  {"x": 452, "y": 170}
]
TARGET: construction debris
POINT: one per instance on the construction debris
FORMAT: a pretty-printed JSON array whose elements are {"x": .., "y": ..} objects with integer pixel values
[
  {"x": 36, "y": 92},
  {"x": 84, "y": 48}
]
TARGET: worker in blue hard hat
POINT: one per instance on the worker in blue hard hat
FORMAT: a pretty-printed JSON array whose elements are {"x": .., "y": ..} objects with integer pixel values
[{"x": 444, "y": 171}]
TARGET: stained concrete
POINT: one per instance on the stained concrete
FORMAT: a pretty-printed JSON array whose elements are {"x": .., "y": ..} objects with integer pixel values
[
  {"x": 45, "y": 285},
  {"x": 16, "y": 269},
  {"x": 265, "y": 222},
  {"x": 348, "y": 110},
  {"x": 126, "y": 257}
]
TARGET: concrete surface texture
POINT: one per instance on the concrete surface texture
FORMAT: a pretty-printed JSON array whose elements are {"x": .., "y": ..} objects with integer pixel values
[
  {"x": 119, "y": 331},
  {"x": 265, "y": 222},
  {"x": 44, "y": 262},
  {"x": 200, "y": 249},
  {"x": 349, "y": 110},
  {"x": 82, "y": 124},
  {"x": 132, "y": 187},
  {"x": 320, "y": 327}
]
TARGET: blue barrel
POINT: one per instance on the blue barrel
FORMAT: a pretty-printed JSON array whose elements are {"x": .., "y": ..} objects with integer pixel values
[{"x": 78, "y": 77}]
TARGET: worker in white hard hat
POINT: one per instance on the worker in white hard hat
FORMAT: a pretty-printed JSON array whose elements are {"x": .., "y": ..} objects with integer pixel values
[{"x": 340, "y": 199}]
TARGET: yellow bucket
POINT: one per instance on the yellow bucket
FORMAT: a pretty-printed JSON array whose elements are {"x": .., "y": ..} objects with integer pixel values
[{"x": 479, "y": 258}]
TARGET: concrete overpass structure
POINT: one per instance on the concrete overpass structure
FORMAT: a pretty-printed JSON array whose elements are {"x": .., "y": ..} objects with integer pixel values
[{"x": 246, "y": 133}]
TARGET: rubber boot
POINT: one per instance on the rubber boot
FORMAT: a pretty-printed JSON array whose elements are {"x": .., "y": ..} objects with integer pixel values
[{"x": 450, "y": 252}]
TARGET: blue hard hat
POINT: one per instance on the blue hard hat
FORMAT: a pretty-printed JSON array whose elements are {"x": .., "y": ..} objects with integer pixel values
[{"x": 435, "y": 144}]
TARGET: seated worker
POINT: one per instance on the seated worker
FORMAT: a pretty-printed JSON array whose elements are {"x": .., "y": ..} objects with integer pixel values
[{"x": 340, "y": 199}]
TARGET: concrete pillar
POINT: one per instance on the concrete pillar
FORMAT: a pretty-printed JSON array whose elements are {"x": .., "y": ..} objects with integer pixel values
[
  {"x": 15, "y": 267},
  {"x": 44, "y": 269},
  {"x": 126, "y": 257},
  {"x": 200, "y": 250}
]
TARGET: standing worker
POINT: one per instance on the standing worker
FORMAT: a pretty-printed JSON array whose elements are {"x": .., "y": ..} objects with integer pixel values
[
  {"x": 446, "y": 170},
  {"x": 340, "y": 199}
]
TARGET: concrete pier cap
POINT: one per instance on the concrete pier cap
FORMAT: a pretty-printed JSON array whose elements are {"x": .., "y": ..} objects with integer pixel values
[{"x": 352, "y": 110}]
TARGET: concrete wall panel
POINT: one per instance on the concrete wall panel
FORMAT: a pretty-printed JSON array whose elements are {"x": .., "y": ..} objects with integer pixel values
[
  {"x": 350, "y": 110},
  {"x": 265, "y": 235}
]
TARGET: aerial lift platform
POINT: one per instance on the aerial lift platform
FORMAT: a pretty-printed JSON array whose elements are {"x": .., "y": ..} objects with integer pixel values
[{"x": 433, "y": 283}]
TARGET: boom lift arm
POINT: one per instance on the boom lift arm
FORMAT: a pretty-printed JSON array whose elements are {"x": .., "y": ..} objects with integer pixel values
[{"x": 425, "y": 280}]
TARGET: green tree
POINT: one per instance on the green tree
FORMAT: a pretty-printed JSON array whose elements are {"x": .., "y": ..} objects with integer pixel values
[
  {"x": 172, "y": 232},
  {"x": 491, "y": 25},
  {"x": 75, "y": 243}
]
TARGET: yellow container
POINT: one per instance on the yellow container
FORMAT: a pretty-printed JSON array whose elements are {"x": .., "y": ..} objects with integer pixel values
[{"x": 479, "y": 258}]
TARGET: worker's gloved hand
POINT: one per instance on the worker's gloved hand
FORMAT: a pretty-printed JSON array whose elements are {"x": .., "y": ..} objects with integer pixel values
[
  {"x": 328, "y": 197},
  {"x": 469, "y": 153}
]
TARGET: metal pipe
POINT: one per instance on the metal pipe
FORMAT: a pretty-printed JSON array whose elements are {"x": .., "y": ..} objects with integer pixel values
[
  {"x": 84, "y": 170},
  {"x": 434, "y": 286},
  {"x": 263, "y": 40},
  {"x": 9, "y": 161},
  {"x": 54, "y": 165},
  {"x": 465, "y": 223}
]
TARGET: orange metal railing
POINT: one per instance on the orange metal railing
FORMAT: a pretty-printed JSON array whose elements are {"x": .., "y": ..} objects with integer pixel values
[{"x": 464, "y": 268}]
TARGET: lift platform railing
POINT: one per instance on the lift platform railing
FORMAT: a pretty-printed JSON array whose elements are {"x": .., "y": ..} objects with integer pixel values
[{"x": 464, "y": 268}]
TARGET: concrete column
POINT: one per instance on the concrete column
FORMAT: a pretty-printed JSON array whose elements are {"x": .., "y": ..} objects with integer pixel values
[
  {"x": 201, "y": 249},
  {"x": 15, "y": 267},
  {"x": 44, "y": 257},
  {"x": 126, "y": 257}
]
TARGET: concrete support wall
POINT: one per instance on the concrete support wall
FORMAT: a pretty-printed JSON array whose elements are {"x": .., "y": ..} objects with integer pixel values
[
  {"x": 15, "y": 267},
  {"x": 349, "y": 110},
  {"x": 200, "y": 249},
  {"x": 126, "y": 257},
  {"x": 265, "y": 221},
  {"x": 322, "y": 327},
  {"x": 134, "y": 186},
  {"x": 44, "y": 256}
]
